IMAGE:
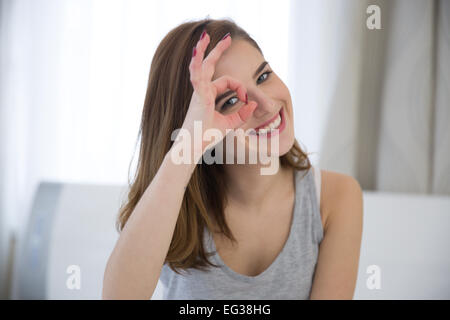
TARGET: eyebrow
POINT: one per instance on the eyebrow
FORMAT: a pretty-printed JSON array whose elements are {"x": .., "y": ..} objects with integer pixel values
[{"x": 228, "y": 93}]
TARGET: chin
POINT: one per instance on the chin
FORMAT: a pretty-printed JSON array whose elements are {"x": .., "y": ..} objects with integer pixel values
[{"x": 286, "y": 141}]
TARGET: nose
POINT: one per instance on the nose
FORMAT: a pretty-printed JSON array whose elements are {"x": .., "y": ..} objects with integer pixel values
[{"x": 266, "y": 105}]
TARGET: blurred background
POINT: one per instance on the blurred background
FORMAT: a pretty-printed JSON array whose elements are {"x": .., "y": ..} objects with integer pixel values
[{"x": 370, "y": 84}]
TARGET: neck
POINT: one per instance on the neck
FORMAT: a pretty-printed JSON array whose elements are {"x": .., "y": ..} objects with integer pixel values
[{"x": 250, "y": 190}]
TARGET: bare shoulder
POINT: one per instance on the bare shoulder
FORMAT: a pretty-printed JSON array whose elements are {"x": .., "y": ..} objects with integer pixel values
[
  {"x": 341, "y": 243},
  {"x": 339, "y": 193}
]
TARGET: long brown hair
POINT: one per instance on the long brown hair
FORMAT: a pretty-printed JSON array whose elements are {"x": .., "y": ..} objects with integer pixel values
[{"x": 166, "y": 103}]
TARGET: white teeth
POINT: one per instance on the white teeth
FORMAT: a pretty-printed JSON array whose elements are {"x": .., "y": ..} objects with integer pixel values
[
  {"x": 276, "y": 123},
  {"x": 271, "y": 126}
]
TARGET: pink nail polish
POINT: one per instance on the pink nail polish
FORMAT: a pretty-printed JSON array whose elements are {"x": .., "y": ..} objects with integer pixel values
[
  {"x": 226, "y": 36},
  {"x": 194, "y": 52},
  {"x": 203, "y": 34}
]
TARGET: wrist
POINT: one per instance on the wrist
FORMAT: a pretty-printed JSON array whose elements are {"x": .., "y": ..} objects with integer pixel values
[
  {"x": 188, "y": 145},
  {"x": 179, "y": 155}
]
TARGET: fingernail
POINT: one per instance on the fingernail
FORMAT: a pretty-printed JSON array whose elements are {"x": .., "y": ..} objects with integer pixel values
[
  {"x": 194, "y": 51},
  {"x": 226, "y": 36},
  {"x": 203, "y": 34},
  {"x": 246, "y": 99}
]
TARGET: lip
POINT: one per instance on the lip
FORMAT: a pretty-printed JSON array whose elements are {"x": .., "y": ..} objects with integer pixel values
[
  {"x": 268, "y": 121},
  {"x": 276, "y": 131}
]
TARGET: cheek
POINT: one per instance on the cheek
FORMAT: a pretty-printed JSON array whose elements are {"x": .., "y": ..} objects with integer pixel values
[
  {"x": 288, "y": 102},
  {"x": 287, "y": 138},
  {"x": 285, "y": 94},
  {"x": 287, "y": 141}
]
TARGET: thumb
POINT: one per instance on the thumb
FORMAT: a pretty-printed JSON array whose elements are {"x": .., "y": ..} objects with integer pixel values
[
  {"x": 236, "y": 119},
  {"x": 246, "y": 111}
]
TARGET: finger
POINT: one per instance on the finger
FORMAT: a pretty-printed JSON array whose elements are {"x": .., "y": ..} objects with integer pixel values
[
  {"x": 209, "y": 64},
  {"x": 195, "y": 66},
  {"x": 202, "y": 44},
  {"x": 225, "y": 82},
  {"x": 247, "y": 110},
  {"x": 237, "y": 119}
]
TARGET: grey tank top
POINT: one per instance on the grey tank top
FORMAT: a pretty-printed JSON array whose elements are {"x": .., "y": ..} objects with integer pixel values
[{"x": 289, "y": 276}]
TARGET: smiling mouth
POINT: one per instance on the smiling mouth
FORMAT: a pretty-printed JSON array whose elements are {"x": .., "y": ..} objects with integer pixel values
[{"x": 270, "y": 126}]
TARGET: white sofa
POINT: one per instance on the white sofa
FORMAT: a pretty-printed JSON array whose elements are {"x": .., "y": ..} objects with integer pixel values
[{"x": 405, "y": 244}]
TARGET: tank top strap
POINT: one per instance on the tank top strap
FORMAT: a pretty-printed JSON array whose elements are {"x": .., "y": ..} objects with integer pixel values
[{"x": 307, "y": 209}]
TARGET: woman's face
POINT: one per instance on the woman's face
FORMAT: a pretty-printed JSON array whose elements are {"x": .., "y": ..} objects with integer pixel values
[{"x": 245, "y": 63}]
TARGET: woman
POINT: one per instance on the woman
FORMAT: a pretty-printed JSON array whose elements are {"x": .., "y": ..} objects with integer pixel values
[{"x": 225, "y": 231}]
